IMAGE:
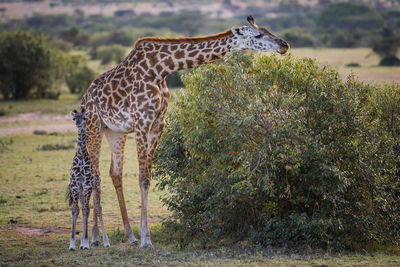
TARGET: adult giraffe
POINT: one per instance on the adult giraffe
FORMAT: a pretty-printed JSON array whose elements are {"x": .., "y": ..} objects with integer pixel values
[{"x": 133, "y": 98}]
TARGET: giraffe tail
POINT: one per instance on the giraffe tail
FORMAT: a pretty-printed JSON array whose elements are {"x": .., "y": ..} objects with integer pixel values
[{"x": 68, "y": 196}]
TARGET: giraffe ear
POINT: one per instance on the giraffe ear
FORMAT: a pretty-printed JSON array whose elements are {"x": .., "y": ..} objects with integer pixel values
[
  {"x": 237, "y": 31},
  {"x": 252, "y": 22}
]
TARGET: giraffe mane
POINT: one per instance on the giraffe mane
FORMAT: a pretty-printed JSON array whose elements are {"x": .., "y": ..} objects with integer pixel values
[{"x": 180, "y": 40}]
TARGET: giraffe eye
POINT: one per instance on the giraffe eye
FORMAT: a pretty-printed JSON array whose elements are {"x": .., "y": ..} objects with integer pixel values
[{"x": 258, "y": 36}]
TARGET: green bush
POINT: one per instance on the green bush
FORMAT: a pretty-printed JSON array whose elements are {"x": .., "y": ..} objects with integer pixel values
[
  {"x": 174, "y": 79},
  {"x": 280, "y": 151},
  {"x": 80, "y": 79},
  {"x": 350, "y": 16},
  {"x": 112, "y": 53},
  {"x": 29, "y": 67},
  {"x": 298, "y": 37}
]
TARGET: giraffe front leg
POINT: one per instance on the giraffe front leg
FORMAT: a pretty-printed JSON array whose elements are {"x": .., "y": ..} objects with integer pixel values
[
  {"x": 146, "y": 143},
  {"x": 85, "y": 212},
  {"x": 95, "y": 228},
  {"x": 75, "y": 212},
  {"x": 98, "y": 210},
  {"x": 94, "y": 137},
  {"x": 144, "y": 184}
]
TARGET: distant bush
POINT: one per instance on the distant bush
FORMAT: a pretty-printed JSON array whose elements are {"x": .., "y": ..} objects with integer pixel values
[
  {"x": 186, "y": 22},
  {"x": 298, "y": 37},
  {"x": 56, "y": 147},
  {"x": 350, "y": 16},
  {"x": 29, "y": 67},
  {"x": 120, "y": 37},
  {"x": 353, "y": 64},
  {"x": 124, "y": 12},
  {"x": 343, "y": 39},
  {"x": 390, "y": 61},
  {"x": 174, "y": 80},
  {"x": 282, "y": 152},
  {"x": 386, "y": 47},
  {"x": 348, "y": 24},
  {"x": 80, "y": 79},
  {"x": 112, "y": 53}
]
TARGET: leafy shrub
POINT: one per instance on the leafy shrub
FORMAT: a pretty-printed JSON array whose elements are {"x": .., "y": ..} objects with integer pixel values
[
  {"x": 112, "y": 53},
  {"x": 348, "y": 24},
  {"x": 344, "y": 38},
  {"x": 389, "y": 61},
  {"x": 350, "y": 16},
  {"x": 122, "y": 37},
  {"x": 29, "y": 67},
  {"x": 386, "y": 47},
  {"x": 282, "y": 152},
  {"x": 353, "y": 64},
  {"x": 56, "y": 147},
  {"x": 80, "y": 79},
  {"x": 299, "y": 38},
  {"x": 174, "y": 79}
]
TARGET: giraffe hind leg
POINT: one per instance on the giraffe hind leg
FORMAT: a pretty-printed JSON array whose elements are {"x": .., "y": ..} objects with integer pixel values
[
  {"x": 117, "y": 145},
  {"x": 94, "y": 136}
]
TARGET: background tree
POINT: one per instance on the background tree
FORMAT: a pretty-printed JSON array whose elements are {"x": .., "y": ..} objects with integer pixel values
[
  {"x": 81, "y": 76},
  {"x": 338, "y": 23},
  {"x": 29, "y": 67},
  {"x": 386, "y": 47}
]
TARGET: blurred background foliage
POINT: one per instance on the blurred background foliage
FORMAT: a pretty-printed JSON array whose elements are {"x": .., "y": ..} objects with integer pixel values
[{"x": 105, "y": 30}]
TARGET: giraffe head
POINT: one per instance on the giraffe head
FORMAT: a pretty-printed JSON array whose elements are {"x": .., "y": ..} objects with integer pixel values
[
  {"x": 79, "y": 117},
  {"x": 258, "y": 38}
]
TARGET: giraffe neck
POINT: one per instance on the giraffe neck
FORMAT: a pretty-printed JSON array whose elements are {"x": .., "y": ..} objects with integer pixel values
[
  {"x": 81, "y": 141},
  {"x": 162, "y": 56}
]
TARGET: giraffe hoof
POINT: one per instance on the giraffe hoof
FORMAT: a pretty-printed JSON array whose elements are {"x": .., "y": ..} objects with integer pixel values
[
  {"x": 134, "y": 243},
  {"x": 107, "y": 245},
  {"x": 71, "y": 249},
  {"x": 82, "y": 247},
  {"x": 95, "y": 243},
  {"x": 146, "y": 244}
]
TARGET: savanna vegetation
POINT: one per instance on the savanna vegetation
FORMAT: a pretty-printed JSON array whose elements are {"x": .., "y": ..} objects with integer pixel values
[
  {"x": 106, "y": 38},
  {"x": 265, "y": 160},
  {"x": 281, "y": 152}
]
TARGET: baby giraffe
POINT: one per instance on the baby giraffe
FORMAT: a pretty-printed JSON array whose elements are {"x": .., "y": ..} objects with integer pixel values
[{"x": 81, "y": 185}]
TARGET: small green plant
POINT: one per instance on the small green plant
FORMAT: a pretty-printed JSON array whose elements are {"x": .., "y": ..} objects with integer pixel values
[
  {"x": 111, "y": 53},
  {"x": 39, "y": 132},
  {"x": 281, "y": 151},
  {"x": 54, "y": 147},
  {"x": 80, "y": 79},
  {"x": 5, "y": 142},
  {"x": 353, "y": 64},
  {"x": 44, "y": 191},
  {"x": 3, "y": 199}
]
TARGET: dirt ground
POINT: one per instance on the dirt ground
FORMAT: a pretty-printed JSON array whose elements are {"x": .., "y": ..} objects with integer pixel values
[{"x": 35, "y": 122}]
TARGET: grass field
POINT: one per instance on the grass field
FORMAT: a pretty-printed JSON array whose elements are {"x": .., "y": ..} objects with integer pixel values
[
  {"x": 35, "y": 218},
  {"x": 368, "y": 71}
]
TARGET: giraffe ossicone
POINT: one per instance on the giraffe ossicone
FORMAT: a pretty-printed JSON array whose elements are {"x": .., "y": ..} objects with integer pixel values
[
  {"x": 82, "y": 183},
  {"x": 133, "y": 98}
]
